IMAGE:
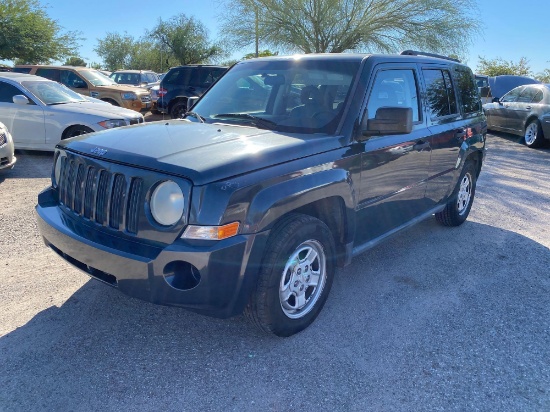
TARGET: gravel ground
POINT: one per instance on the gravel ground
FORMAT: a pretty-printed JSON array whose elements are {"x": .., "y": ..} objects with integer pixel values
[{"x": 435, "y": 319}]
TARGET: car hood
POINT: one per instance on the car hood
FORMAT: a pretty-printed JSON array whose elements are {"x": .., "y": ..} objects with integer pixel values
[
  {"x": 203, "y": 153},
  {"x": 104, "y": 110}
]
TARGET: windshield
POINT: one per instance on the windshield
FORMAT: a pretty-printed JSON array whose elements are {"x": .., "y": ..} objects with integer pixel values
[
  {"x": 296, "y": 96},
  {"x": 96, "y": 78},
  {"x": 52, "y": 92}
]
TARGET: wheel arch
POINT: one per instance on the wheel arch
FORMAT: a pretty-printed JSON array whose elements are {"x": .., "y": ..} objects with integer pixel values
[
  {"x": 68, "y": 128},
  {"x": 331, "y": 201}
]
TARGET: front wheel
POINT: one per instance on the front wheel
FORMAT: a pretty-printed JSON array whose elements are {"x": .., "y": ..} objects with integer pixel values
[
  {"x": 533, "y": 134},
  {"x": 76, "y": 131},
  {"x": 295, "y": 277},
  {"x": 458, "y": 208}
]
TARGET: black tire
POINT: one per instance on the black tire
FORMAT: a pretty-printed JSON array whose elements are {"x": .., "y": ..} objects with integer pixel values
[
  {"x": 533, "y": 135},
  {"x": 458, "y": 207},
  {"x": 288, "y": 298},
  {"x": 155, "y": 111},
  {"x": 178, "y": 109},
  {"x": 74, "y": 131}
]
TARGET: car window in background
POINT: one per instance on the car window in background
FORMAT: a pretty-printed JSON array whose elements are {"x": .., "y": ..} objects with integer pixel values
[
  {"x": 52, "y": 93},
  {"x": 538, "y": 97},
  {"x": 7, "y": 91},
  {"x": 527, "y": 95},
  {"x": 469, "y": 93},
  {"x": 178, "y": 76},
  {"x": 97, "y": 78},
  {"x": 52, "y": 74},
  {"x": 25, "y": 70},
  {"x": 512, "y": 95},
  {"x": 440, "y": 94}
]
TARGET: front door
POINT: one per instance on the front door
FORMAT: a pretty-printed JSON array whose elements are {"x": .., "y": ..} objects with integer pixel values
[{"x": 394, "y": 168}]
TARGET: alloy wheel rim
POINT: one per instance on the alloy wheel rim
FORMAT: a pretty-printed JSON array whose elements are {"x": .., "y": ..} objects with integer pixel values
[
  {"x": 464, "y": 194},
  {"x": 531, "y": 134},
  {"x": 303, "y": 279}
]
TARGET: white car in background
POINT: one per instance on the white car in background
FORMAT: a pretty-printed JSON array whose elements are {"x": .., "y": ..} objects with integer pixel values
[
  {"x": 7, "y": 158},
  {"x": 40, "y": 112}
]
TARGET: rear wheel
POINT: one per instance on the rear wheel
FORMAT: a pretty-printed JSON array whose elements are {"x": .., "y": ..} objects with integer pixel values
[
  {"x": 178, "y": 109},
  {"x": 76, "y": 131},
  {"x": 295, "y": 277},
  {"x": 533, "y": 134},
  {"x": 458, "y": 208}
]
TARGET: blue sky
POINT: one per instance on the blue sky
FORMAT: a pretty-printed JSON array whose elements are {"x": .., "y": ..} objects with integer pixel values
[{"x": 508, "y": 32}]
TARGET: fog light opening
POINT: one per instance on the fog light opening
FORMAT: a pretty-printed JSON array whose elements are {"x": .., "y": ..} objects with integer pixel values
[{"x": 181, "y": 275}]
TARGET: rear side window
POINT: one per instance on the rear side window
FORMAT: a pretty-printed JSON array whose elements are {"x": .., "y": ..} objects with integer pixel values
[
  {"x": 440, "y": 94},
  {"x": 179, "y": 76},
  {"x": 527, "y": 95},
  {"x": 25, "y": 70},
  {"x": 52, "y": 74},
  {"x": 467, "y": 89}
]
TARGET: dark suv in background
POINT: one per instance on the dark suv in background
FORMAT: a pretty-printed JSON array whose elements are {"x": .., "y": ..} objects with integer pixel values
[{"x": 182, "y": 82}]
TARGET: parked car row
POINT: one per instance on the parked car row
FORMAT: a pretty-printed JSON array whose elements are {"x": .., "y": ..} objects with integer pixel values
[{"x": 40, "y": 112}]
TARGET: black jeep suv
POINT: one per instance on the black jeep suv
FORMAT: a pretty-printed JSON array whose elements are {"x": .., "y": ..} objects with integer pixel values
[
  {"x": 285, "y": 169},
  {"x": 183, "y": 82}
]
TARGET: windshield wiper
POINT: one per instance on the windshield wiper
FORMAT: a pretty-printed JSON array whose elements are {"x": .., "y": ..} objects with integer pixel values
[
  {"x": 255, "y": 120},
  {"x": 195, "y": 115}
]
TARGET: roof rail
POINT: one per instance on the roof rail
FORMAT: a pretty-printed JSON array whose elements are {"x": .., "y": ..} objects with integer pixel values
[{"x": 419, "y": 53}]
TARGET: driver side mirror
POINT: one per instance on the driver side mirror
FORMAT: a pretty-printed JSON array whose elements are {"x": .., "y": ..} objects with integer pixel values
[
  {"x": 20, "y": 99},
  {"x": 388, "y": 121},
  {"x": 495, "y": 100}
]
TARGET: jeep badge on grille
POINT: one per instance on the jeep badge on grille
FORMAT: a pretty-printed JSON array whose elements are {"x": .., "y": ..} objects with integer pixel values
[{"x": 98, "y": 151}]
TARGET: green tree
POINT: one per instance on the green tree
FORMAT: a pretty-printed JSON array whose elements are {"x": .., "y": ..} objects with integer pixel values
[
  {"x": 74, "y": 61},
  {"x": 30, "y": 36},
  {"x": 319, "y": 26},
  {"x": 544, "y": 76},
  {"x": 499, "y": 66},
  {"x": 116, "y": 50},
  {"x": 265, "y": 53},
  {"x": 186, "y": 39}
]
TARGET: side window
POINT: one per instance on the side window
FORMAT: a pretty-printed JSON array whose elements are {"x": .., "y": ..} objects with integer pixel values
[
  {"x": 538, "y": 97},
  {"x": 7, "y": 91},
  {"x": 467, "y": 89},
  {"x": 527, "y": 95},
  {"x": 71, "y": 79},
  {"x": 52, "y": 74},
  {"x": 512, "y": 95},
  {"x": 440, "y": 94},
  {"x": 394, "y": 88}
]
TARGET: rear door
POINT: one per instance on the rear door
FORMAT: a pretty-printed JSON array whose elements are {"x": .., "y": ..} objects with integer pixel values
[
  {"x": 394, "y": 168},
  {"x": 451, "y": 99}
]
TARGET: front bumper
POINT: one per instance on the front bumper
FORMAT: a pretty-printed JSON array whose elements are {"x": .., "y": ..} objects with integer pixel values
[
  {"x": 9, "y": 164},
  {"x": 213, "y": 278}
]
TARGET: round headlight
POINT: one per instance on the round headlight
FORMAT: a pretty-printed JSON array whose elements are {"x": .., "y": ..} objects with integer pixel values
[
  {"x": 57, "y": 170},
  {"x": 167, "y": 203}
]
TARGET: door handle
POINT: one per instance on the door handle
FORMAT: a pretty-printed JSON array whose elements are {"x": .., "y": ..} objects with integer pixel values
[
  {"x": 421, "y": 145},
  {"x": 460, "y": 133},
  {"x": 528, "y": 108}
]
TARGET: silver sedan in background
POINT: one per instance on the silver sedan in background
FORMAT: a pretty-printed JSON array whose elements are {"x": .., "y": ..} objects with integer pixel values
[
  {"x": 7, "y": 158},
  {"x": 524, "y": 111},
  {"x": 40, "y": 112}
]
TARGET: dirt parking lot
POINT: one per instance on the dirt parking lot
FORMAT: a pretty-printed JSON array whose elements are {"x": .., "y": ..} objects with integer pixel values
[{"x": 434, "y": 319}]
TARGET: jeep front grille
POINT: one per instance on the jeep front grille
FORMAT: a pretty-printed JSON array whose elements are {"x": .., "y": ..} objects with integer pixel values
[
  {"x": 146, "y": 99},
  {"x": 109, "y": 199}
]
